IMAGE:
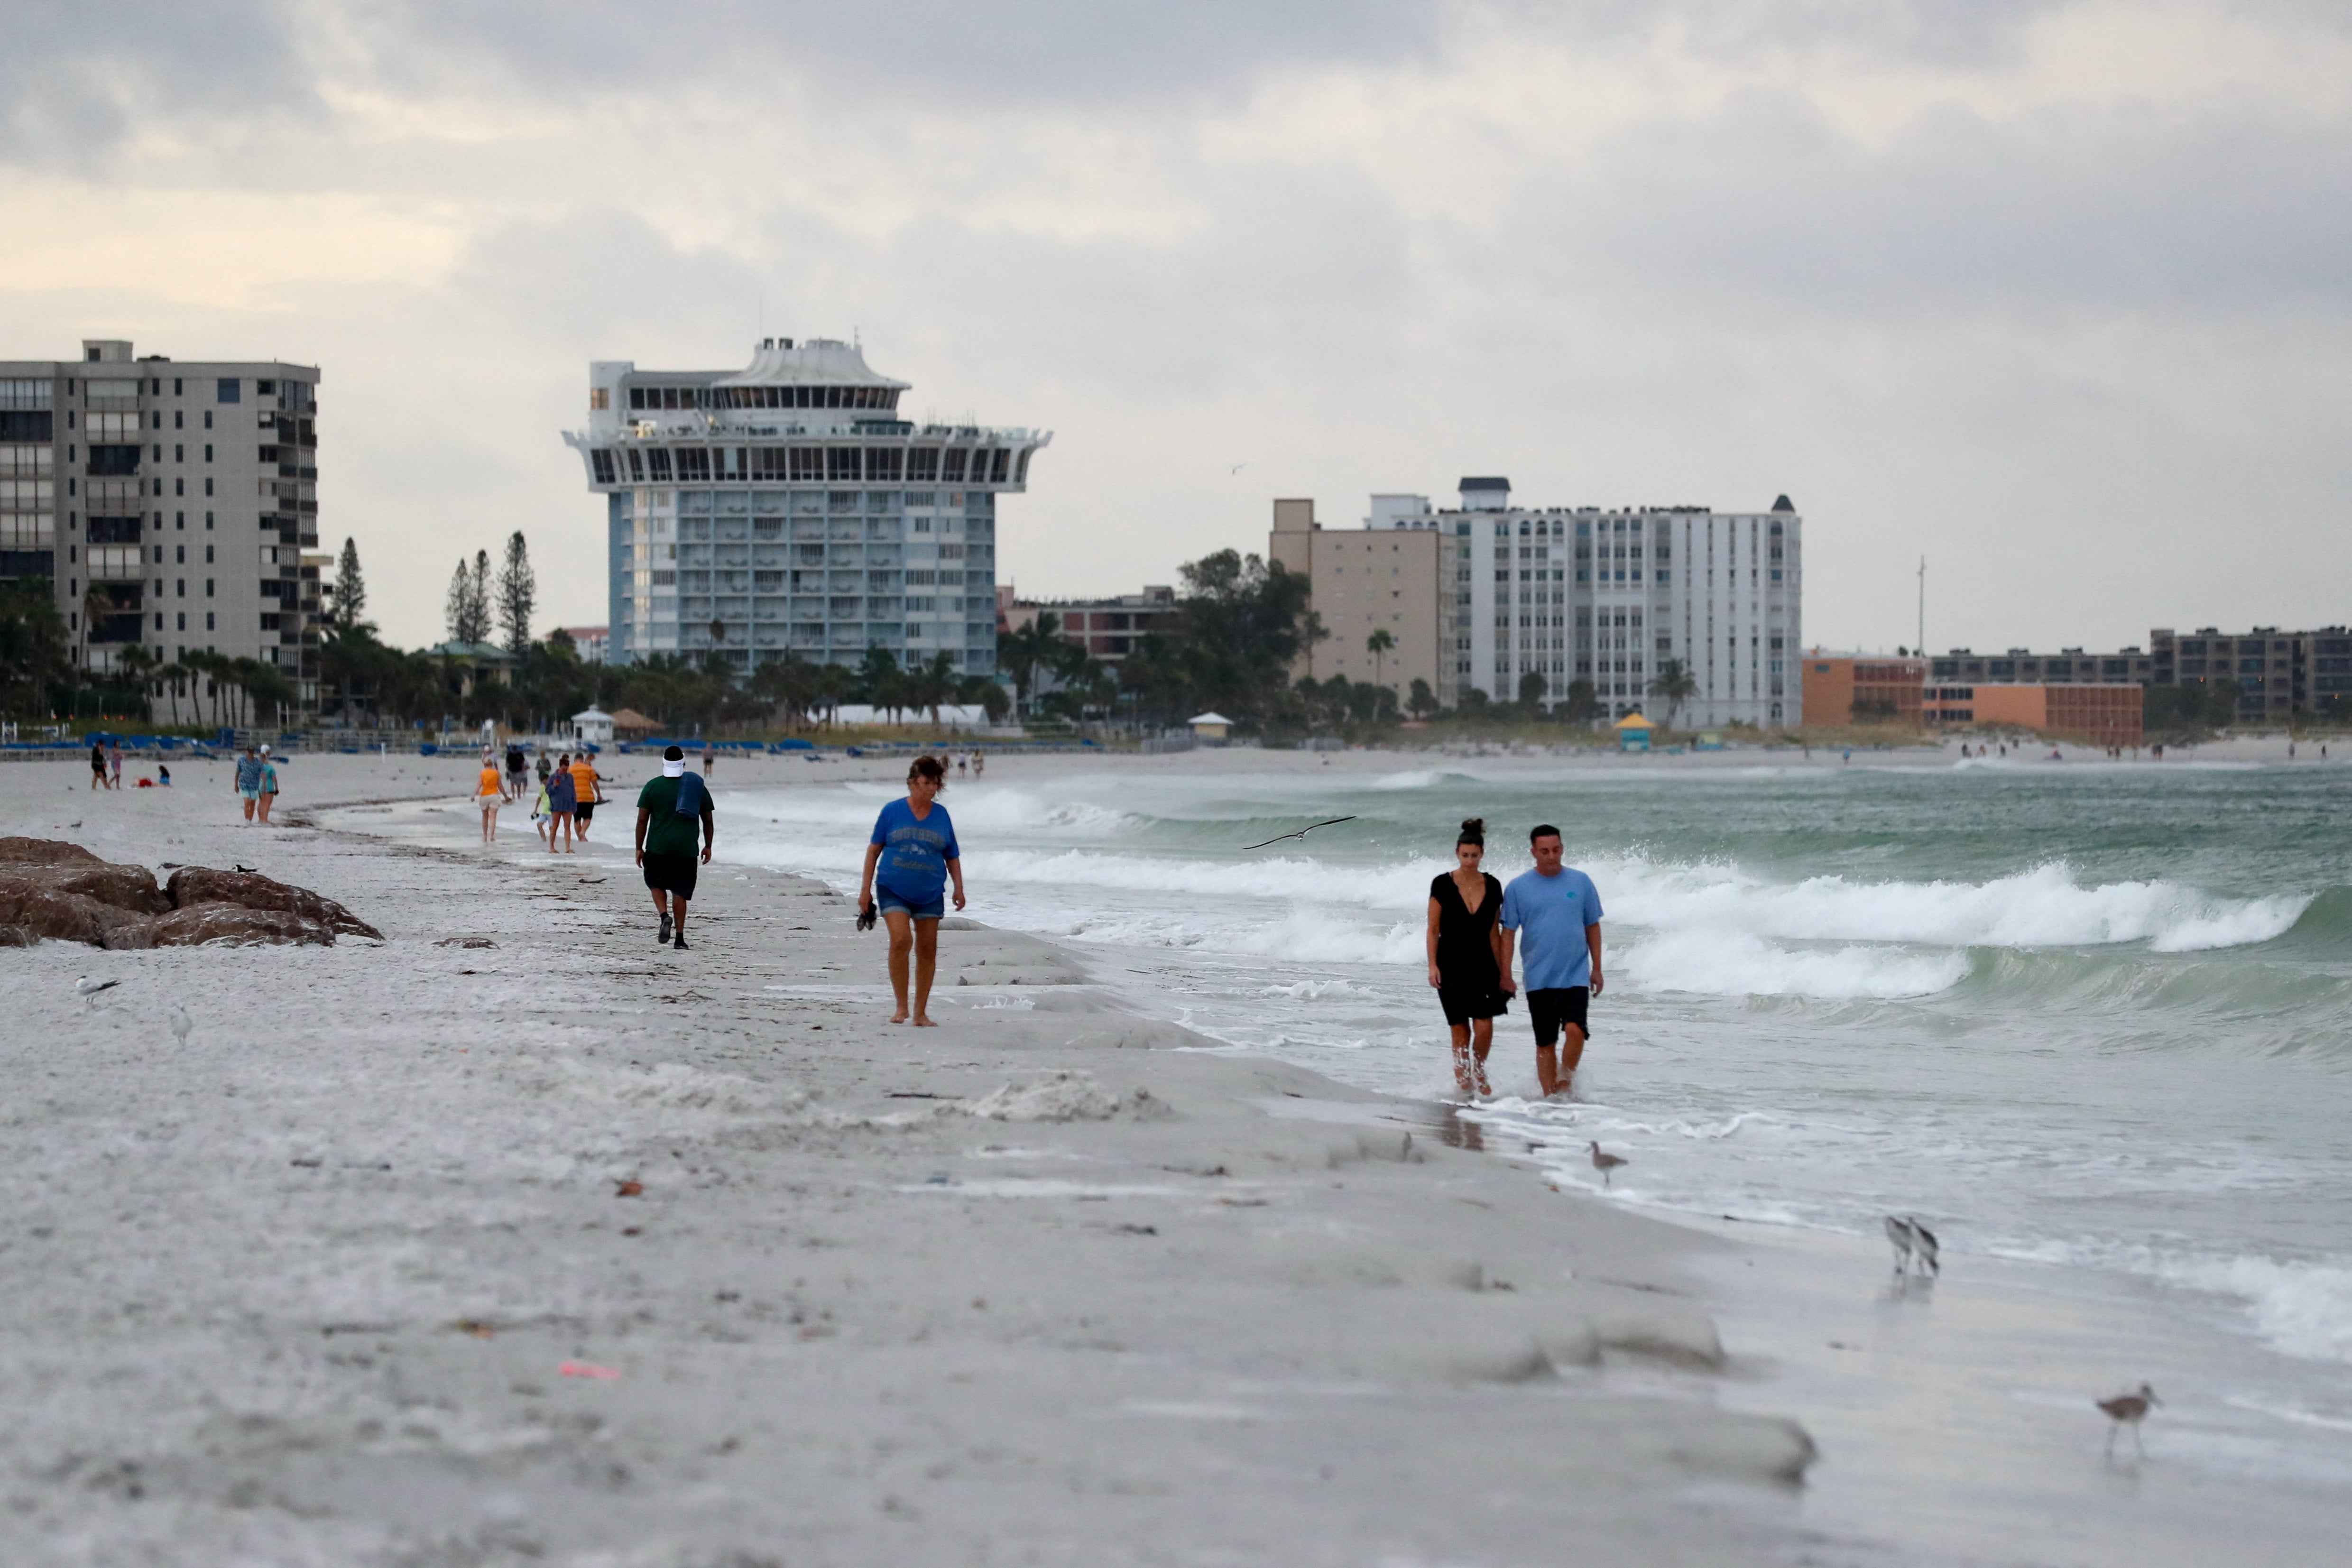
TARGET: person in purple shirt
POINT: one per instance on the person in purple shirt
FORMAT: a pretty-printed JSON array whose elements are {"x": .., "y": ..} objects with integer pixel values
[{"x": 1559, "y": 909}]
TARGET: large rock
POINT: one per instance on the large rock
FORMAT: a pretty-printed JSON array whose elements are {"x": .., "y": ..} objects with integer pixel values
[
  {"x": 46, "y": 852},
  {"x": 191, "y": 887},
  {"x": 131, "y": 888},
  {"x": 31, "y": 905},
  {"x": 229, "y": 924}
]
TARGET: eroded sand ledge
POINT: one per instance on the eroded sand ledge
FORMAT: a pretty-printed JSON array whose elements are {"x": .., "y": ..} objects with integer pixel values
[{"x": 300, "y": 1288}]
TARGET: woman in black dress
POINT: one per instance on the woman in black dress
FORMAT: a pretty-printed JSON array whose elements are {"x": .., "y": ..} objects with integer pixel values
[{"x": 1465, "y": 956}]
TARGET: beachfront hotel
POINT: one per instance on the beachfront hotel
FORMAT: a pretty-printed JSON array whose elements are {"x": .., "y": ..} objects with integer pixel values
[
  {"x": 165, "y": 504},
  {"x": 1485, "y": 593},
  {"x": 788, "y": 507}
]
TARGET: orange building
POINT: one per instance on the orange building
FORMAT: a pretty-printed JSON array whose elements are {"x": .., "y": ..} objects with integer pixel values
[
  {"x": 2101, "y": 715},
  {"x": 1841, "y": 689}
]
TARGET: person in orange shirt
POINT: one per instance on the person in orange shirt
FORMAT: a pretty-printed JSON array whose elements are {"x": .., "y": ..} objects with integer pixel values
[
  {"x": 584, "y": 788},
  {"x": 489, "y": 793}
]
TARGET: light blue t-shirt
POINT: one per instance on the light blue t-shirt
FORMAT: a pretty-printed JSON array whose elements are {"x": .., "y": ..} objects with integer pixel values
[
  {"x": 915, "y": 855},
  {"x": 1551, "y": 914}
]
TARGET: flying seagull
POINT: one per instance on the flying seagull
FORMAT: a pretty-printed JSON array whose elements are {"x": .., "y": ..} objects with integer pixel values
[{"x": 1300, "y": 834}]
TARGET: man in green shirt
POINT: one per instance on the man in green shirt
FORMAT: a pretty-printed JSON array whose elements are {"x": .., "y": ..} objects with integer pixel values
[{"x": 665, "y": 841}]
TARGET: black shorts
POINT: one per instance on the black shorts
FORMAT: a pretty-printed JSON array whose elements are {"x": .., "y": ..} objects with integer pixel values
[
  {"x": 1464, "y": 1004},
  {"x": 670, "y": 874},
  {"x": 1551, "y": 1008},
  {"x": 586, "y": 809}
]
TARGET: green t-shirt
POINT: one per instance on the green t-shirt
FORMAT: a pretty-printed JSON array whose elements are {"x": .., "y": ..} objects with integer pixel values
[{"x": 668, "y": 833}]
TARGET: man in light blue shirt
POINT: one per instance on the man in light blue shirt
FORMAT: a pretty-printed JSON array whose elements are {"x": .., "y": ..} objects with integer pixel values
[{"x": 1559, "y": 909}]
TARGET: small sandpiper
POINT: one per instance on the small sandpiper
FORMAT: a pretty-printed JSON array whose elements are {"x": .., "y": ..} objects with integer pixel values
[
  {"x": 2128, "y": 1410},
  {"x": 1604, "y": 1163}
]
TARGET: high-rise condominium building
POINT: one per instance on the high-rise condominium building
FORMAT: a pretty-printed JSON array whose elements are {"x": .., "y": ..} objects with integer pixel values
[
  {"x": 788, "y": 507},
  {"x": 167, "y": 503},
  {"x": 1575, "y": 593}
]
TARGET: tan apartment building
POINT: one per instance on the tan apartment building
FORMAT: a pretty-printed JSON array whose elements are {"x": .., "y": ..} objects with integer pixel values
[
  {"x": 2105, "y": 715},
  {"x": 2278, "y": 674},
  {"x": 1842, "y": 688},
  {"x": 1393, "y": 575}
]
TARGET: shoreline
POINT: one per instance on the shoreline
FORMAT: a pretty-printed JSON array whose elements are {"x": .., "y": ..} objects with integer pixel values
[{"x": 1287, "y": 1360}]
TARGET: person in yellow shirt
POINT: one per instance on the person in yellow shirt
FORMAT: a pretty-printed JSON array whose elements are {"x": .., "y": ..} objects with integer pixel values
[
  {"x": 586, "y": 793},
  {"x": 489, "y": 793}
]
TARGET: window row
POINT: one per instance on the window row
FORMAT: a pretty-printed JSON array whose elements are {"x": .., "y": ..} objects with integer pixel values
[
  {"x": 654, "y": 397},
  {"x": 809, "y": 465}
]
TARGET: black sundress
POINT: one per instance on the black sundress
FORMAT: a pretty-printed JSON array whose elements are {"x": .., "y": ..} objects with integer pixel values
[{"x": 1468, "y": 985}]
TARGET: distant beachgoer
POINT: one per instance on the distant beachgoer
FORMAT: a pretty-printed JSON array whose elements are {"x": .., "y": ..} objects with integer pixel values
[
  {"x": 489, "y": 793},
  {"x": 518, "y": 768},
  {"x": 1559, "y": 909},
  {"x": 665, "y": 841},
  {"x": 1465, "y": 955},
  {"x": 909, "y": 860},
  {"x": 96, "y": 765},
  {"x": 248, "y": 780},
  {"x": 562, "y": 800},
  {"x": 268, "y": 785},
  {"x": 542, "y": 765},
  {"x": 163, "y": 773},
  {"x": 1849, "y": 753},
  {"x": 710, "y": 759},
  {"x": 586, "y": 795},
  {"x": 114, "y": 764},
  {"x": 963, "y": 760},
  {"x": 979, "y": 763}
]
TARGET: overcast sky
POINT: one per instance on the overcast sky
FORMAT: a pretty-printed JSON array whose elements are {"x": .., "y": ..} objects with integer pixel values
[{"x": 2057, "y": 294}]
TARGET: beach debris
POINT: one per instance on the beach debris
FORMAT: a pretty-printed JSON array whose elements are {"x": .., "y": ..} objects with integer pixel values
[
  {"x": 1604, "y": 1163},
  {"x": 180, "y": 1024},
  {"x": 631, "y": 1189},
  {"x": 475, "y": 1326},
  {"x": 2128, "y": 1410},
  {"x": 87, "y": 988},
  {"x": 1302, "y": 833},
  {"x": 588, "y": 1369},
  {"x": 465, "y": 942}
]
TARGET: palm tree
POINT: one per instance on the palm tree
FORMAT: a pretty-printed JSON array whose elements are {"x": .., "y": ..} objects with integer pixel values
[
  {"x": 1035, "y": 647},
  {"x": 1675, "y": 685},
  {"x": 1378, "y": 644},
  {"x": 136, "y": 666}
]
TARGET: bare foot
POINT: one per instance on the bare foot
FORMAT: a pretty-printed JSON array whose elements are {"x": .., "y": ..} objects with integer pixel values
[
  {"x": 900, "y": 1017},
  {"x": 922, "y": 1022}
]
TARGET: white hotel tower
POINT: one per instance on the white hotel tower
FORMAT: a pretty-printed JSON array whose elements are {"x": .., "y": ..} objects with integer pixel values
[
  {"x": 788, "y": 507},
  {"x": 1607, "y": 597}
]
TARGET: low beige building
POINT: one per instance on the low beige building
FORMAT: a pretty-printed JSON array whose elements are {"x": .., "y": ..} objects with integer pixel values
[{"x": 1384, "y": 577}]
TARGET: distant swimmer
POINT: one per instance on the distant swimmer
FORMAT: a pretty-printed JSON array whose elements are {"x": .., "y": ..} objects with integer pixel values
[
  {"x": 1300, "y": 834},
  {"x": 1559, "y": 909},
  {"x": 1466, "y": 963}
]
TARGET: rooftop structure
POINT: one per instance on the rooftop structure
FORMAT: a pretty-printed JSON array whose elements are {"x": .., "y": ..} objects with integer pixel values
[{"x": 788, "y": 507}]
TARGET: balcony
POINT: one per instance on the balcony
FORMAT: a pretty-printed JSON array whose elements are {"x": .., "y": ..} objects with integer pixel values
[{"x": 117, "y": 563}]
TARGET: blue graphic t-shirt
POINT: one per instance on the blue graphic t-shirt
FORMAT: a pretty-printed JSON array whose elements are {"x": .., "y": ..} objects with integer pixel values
[
  {"x": 248, "y": 773},
  {"x": 1551, "y": 914},
  {"x": 915, "y": 855}
]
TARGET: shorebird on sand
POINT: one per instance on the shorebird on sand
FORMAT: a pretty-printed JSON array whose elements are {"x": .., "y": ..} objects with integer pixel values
[
  {"x": 1604, "y": 1163},
  {"x": 87, "y": 988},
  {"x": 1923, "y": 1242},
  {"x": 180, "y": 1024},
  {"x": 2128, "y": 1410},
  {"x": 1899, "y": 1233}
]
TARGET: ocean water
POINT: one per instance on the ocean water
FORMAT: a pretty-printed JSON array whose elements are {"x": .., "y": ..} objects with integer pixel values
[{"x": 2096, "y": 1016}]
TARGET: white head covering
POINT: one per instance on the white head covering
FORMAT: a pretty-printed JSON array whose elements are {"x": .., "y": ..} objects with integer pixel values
[{"x": 672, "y": 769}]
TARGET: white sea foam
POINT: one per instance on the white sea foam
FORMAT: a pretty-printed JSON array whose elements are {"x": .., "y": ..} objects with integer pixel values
[
  {"x": 1733, "y": 963},
  {"x": 2300, "y": 1309}
]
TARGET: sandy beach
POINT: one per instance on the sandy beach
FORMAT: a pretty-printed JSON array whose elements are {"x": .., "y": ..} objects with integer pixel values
[{"x": 514, "y": 1239}]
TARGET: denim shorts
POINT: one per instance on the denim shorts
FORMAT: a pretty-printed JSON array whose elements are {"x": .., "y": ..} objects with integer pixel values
[{"x": 886, "y": 901}]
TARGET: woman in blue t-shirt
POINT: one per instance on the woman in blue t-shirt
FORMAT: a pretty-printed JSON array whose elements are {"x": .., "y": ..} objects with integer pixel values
[{"x": 909, "y": 862}]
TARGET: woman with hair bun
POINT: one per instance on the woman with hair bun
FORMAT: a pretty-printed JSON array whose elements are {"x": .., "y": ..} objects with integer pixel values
[
  {"x": 910, "y": 861},
  {"x": 1466, "y": 963}
]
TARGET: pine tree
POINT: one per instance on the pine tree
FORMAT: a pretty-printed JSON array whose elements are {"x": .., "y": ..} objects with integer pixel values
[
  {"x": 477, "y": 599},
  {"x": 457, "y": 612},
  {"x": 517, "y": 594},
  {"x": 351, "y": 589}
]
